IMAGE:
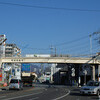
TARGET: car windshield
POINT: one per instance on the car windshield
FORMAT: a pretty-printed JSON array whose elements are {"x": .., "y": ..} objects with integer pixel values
[
  {"x": 14, "y": 81},
  {"x": 93, "y": 84}
]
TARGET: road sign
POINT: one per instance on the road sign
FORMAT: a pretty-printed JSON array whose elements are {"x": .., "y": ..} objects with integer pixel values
[
  {"x": 25, "y": 67},
  {"x": 85, "y": 72},
  {"x": 73, "y": 69},
  {"x": 73, "y": 72}
]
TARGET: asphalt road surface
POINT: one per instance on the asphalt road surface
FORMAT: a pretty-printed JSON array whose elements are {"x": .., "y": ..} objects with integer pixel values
[{"x": 45, "y": 92}]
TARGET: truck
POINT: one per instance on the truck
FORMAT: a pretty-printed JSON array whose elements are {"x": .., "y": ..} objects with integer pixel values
[
  {"x": 28, "y": 78},
  {"x": 45, "y": 78}
]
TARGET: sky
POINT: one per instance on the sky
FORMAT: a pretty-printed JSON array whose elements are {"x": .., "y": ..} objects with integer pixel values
[{"x": 51, "y": 26}]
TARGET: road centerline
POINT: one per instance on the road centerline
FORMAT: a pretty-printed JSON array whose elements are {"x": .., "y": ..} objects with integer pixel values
[
  {"x": 22, "y": 96},
  {"x": 2, "y": 97},
  {"x": 34, "y": 98},
  {"x": 62, "y": 96}
]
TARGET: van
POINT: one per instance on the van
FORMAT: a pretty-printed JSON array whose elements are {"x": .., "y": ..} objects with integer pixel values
[{"x": 16, "y": 84}]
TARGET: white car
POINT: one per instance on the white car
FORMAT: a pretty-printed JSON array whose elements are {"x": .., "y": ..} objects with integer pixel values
[
  {"x": 16, "y": 84},
  {"x": 92, "y": 87}
]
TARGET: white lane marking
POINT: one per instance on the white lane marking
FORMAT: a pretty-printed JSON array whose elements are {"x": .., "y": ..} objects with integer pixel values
[
  {"x": 34, "y": 98},
  {"x": 99, "y": 97},
  {"x": 22, "y": 96},
  {"x": 62, "y": 96},
  {"x": 2, "y": 96},
  {"x": 45, "y": 89}
]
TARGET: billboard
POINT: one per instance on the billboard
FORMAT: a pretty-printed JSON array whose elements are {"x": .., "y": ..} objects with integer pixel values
[{"x": 25, "y": 67}]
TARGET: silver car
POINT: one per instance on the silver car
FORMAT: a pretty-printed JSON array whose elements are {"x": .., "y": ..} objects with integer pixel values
[
  {"x": 92, "y": 87},
  {"x": 16, "y": 84}
]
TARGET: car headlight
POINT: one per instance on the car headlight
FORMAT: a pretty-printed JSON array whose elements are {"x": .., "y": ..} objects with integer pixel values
[{"x": 93, "y": 89}]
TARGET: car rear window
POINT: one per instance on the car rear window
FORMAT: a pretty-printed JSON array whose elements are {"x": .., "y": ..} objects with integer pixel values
[{"x": 14, "y": 81}]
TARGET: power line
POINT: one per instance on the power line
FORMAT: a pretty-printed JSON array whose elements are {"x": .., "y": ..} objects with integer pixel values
[
  {"x": 84, "y": 47},
  {"x": 75, "y": 46},
  {"x": 53, "y": 8},
  {"x": 30, "y": 48},
  {"x": 72, "y": 46},
  {"x": 38, "y": 48},
  {"x": 69, "y": 48},
  {"x": 85, "y": 50},
  {"x": 44, "y": 49},
  {"x": 83, "y": 55},
  {"x": 69, "y": 42}
]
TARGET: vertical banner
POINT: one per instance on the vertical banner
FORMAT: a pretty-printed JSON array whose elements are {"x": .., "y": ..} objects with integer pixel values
[{"x": 0, "y": 74}]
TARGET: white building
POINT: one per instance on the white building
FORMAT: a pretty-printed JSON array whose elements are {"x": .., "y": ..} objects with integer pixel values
[
  {"x": 11, "y": 50},
  {"x": 10, "y": 70}
]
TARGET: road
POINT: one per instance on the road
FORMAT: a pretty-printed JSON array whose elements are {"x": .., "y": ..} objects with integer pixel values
[{"x": 45, "y": 92}]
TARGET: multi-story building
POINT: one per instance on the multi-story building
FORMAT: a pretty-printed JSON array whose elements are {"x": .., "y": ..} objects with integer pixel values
[
  {"x": 12, "y": 50},
  {"x": 12, "y": 70}
]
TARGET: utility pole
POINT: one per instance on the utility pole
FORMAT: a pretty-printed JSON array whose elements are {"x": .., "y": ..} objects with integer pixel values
[
  {"x": 51, "y": 48},
  {"x": 55, "y": 51},
  {"x": 98, "y": 39}
]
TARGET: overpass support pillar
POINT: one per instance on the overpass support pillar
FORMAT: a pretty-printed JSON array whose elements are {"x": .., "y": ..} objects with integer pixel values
[
  {"x": 0, "y": 63},
  {"x": 98, "y": 72},
  {"x": 93, "y": 72}
]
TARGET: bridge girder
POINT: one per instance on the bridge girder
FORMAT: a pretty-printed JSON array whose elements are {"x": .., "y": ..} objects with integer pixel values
[{"x": 49, "y": 60}]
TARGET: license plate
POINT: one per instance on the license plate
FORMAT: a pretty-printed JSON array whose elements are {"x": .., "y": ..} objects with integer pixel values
[{"x": 86, "y": 91}]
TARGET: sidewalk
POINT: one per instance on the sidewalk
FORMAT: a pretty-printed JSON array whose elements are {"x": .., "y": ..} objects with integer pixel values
[{"x": 4, "y": 88}]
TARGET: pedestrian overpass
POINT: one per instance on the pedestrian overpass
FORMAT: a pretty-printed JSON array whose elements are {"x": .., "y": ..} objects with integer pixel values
[
  {"x": 74, "y": 60},
  {"x": 58, "y": 60}
]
